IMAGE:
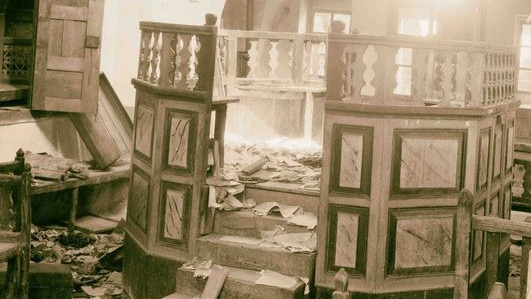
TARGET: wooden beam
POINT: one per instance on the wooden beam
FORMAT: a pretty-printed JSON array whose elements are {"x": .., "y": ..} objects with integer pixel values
[
  {"x": 462, "y": 251},
  {"x": 497, "y": 225}
]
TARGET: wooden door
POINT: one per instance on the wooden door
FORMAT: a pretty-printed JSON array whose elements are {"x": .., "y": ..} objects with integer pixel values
[{"x": 67, "y": 56}]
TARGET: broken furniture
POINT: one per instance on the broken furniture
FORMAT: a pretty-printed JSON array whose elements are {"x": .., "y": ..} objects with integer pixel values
[
  {"x": 398, "y": 150},
  {"x": 92, "y": 177},
  {"x": 15, "y": 224}
]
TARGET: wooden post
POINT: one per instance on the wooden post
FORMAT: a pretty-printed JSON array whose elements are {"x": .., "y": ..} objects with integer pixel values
[
  {"x": 219, "y": 130},
  {"x": 493, "y": 252},
  {"x": 524, "y": 272},
  {"x": 335, "y": 66},
  {"x": 298, "y": 60},
  {"x": 73, "y": 210},
  {"x": 341, "y": 283},
  {"x": 25, "y": 229},
  {"x": 462, "y": 250},
  {"x": 498, "y": 291}
]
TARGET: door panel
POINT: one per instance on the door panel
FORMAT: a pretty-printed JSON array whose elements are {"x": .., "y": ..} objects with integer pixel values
[{"x": 67, "y": 56}]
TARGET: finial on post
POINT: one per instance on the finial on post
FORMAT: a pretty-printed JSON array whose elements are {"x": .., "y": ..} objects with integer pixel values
[
  {"x": 210, "y": 19},
  {"x": 341, "y": 284}
]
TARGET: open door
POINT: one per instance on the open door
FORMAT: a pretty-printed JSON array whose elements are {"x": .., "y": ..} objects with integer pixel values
[{"x": 67, "y": 56}]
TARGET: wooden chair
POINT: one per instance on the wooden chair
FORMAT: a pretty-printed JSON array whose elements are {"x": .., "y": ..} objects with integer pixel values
[{"x": 15, "y": 224}]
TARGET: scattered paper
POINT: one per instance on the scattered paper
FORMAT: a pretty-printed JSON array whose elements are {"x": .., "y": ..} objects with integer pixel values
[
  {"x": 94, "y": 292},
  {"x": 269, "y": 234},
  {"x": 196, "y": 263},
  {"x": 309, "y": 220},
  {"x": 202, "y": 273},
  {"x": 275, "y": 279},
  {"x": 268, "y": 207},
  {"x": 306, "y": 281},
  {"x": 297, "y": 242},
  {"x": 241, "y": 240}
]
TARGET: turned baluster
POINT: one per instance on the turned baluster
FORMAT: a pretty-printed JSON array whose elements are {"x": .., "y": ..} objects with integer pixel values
[
  {"x": 447, "y": 75},
  {"x": 155, "y": 58},
  {"x": 334, "y": 84},
  {"x": 418, "y": 79},
  {"x": 184, "y": 61}
]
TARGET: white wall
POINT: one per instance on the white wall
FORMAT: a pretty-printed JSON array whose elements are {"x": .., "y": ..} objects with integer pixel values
[{"x": 121, "y": 34}]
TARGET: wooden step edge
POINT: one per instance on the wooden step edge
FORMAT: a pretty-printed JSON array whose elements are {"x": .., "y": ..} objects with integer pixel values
[
  {"x": 9, "y": 236},
  {"x": 178, "y": 296},
  {"x": 8, "y": 251},
  {"x": 284, "y": 187},
  {"x": 10, "y": 92},
  {"x": 251, "y": 243}
]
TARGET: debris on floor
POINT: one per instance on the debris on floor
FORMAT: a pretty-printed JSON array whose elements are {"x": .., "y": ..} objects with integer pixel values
[
  {"x": 95, "y": 259},
  {"x": 279, "y": 160}
]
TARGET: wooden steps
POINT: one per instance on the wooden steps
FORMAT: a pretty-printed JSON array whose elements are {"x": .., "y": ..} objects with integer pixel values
[
  {"x": 10, "y": 92},
  {"x": 245, "y": 224},
  {"x": 285, "y": 193},
  {"x": 240, "y": 283},
  {"x": 254, "y": 257}
]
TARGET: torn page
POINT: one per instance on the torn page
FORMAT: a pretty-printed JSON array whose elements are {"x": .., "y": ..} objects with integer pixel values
[
  {"x": 275, "y": 279},
  {"x": 307, "y": 219},
  {"x": 297, "y": 242}
]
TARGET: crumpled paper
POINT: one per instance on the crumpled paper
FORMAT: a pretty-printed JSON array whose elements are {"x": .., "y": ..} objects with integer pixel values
[
  {"x": 275, "y": 279},
  {"x": 268, "y": 207},
  {"x": 202, "y": 268}
]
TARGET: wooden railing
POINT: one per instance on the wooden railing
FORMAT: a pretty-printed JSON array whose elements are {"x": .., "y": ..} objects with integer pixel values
[
  {"x": 467, "y": 222},
  {"x": 277, "y": 58},
  {"x": 177, "y": 57},
  {"x": 395, "y": 70}
]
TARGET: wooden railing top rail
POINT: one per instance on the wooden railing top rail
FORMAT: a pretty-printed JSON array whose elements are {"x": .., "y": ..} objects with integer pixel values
[
  {"x": 420, "y": 43},
  {"x": 274, "y": 35},
  {"x": 178, "y": 28}
]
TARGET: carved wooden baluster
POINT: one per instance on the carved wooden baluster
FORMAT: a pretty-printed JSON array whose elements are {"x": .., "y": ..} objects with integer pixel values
[
  {"x": 252, "y": 63},
  {"x": 174, "y": 42},
  {"x": 334, "y": 84},
  {"x": 461, "y": 79},
  {"x": 145, "y": 55},
  {"x": 369, "y": 59},
  {"x": 167, "y": 58},
  {"x": 347, "y": 58},
  {"x": 418, "y": 79},
  {"x": 155, "y": 58},
  {"x": 357, "y": 68},
  {"x": 193, "y": 75},
  {"x": 184, "y": 63},
  {"x": 285, "y": 64},
  {"x": 307, "y": 61},
  {"x": 447, "y": 75},
  {"x": 477, "y": 75},
  {"x": 321, "y": 60},
  {"x": 265, "y": 59},
  {"x": 273, "y": 59}
]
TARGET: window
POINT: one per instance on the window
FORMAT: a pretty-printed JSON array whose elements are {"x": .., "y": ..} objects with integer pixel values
[
  {"x": 417, "y": 22},
  {"x": 322, "y": 20},
  {"x": 524, "y": 43}
]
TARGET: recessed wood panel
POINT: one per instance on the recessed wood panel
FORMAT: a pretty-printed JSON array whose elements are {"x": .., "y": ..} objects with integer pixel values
[
  {"x": 478, "y": 236},
  {"x": 494, "y": 206},
  {"x": 427, "y": 161},
  {"x": 497, "y": 163},
  {"x": 351, "y": 159},
  {"x": 483, "y": 159},
  {"x": 509, "y": 147},
  {"x": 61, "y": 85},
  {"x": 139, "y": 198},
  {"x": 180, "y": 140},
  {"x": 421, "y": 241},
  {"x": 347, "y": 239},
  {"x": 145, "y": 116},
  {"x": 507, "y": 202},
  {"x": 175, "y": 202}
]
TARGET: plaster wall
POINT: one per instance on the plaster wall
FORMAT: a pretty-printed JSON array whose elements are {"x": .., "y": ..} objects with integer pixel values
[{"x": 121, "y": 35}]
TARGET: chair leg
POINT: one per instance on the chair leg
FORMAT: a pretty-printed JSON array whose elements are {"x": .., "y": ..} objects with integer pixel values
[{"x": 13, "y": 278}]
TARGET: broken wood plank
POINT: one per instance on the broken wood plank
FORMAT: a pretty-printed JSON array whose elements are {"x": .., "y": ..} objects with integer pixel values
[{"x": 215, "y": 283}]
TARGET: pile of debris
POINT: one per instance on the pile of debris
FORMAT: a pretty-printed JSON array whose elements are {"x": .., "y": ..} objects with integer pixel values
[
  {"x": 279, "y": 160},
  {"x": 95, "y": 260}
]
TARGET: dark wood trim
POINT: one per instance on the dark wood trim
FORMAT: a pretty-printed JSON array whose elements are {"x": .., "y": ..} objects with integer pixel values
[
  {"x": 187, "y": 202},
  {"x": 459, "y": 135},
  {"x": 390, "y": 269},
  {"x": 366, "y": 166},
  {"x": 363, "y": 234}
]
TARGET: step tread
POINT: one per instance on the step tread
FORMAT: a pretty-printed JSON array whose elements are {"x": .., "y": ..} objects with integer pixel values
[
  {"x": 10, "y": 92},
  {"x": 240, "y": 282},
  {"x": 177, "y": 296},
  {"x": 246, "y": 223},
  {"x": 254, "y": 255}
]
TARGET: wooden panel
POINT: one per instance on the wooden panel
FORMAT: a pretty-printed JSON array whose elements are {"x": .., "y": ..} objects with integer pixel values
[
  {"x": 347, "y": 239},
  {"x": 61, "y": 85},
  {"x": 483, "y": 159},
  {"x": 74, "y": 33},
  {"x": 497, "y": 163},
  {"x": 174, "y": 220},
  {"x": 509, "y": 146},
  {"x": 139, "y": 199},
  {"x": 145, "y": 116},
  {"x": 421, "y": 241},
  {"x": 179, "y": 140},
  {"x": 494, "y": 205},
  {"x": 507, "y": 202},
  {"x": 478, "y": 236},
  {"x": 428, "y": 161},
  {"x": 351, "y": 159},
  {"x": 64, "y": 26},
  {"x": 68, "y": 12}
]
